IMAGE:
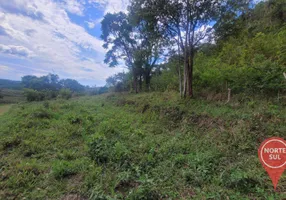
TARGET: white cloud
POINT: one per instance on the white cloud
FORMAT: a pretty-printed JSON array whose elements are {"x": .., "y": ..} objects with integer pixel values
[
  {"x": 90, "y": 24},
  {"x": 57, "y": 44},
  {"x": 4, "y": 68},
  {"x": 22, "y": 7},
  {"x": 111, "y": 6},
  {"x": 15, "y": 50},
  {"x": 73, "y": 6}
]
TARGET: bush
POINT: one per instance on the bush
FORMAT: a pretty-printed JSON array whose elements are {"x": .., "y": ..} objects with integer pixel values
[
  {"x": 42, "y": 114},
  {"x": 33, "y": 95},
  {"x": 79, "y": 94},
  {"x": 102, "y": 90},
  {"x": 65, "y": 94},
  {"x": 50, "y": 94},
  {"x": 168, "y": 80},
  {"x": 93, "y": 92},
  {"x": 100, "y": 150}
]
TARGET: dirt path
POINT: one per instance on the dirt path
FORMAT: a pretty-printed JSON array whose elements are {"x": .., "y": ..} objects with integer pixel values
[{"x": 4, "y": 108}]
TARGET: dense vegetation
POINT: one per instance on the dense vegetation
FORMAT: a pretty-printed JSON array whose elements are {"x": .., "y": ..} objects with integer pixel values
[
  {"x": 229, "y": 56},
  {"x": 145, "y": 146},
  {"x": 33, "y": 88},
  {"x": 247, "y": 55}
]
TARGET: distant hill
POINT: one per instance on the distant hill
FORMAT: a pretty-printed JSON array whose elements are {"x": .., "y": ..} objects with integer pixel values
[
  {"x": 9, "y": 84},
  {"x": 11, "y": 96}
]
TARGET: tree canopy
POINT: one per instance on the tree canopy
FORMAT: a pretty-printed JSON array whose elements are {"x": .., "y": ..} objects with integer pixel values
[
  {"x": 51, "y": 82},
  {"x": 205, "y": 43}
]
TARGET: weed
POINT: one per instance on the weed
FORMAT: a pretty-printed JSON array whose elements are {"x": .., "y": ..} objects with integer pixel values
[
  {"x": 63, "y": 168},
  {"x": 145, "y": 146},
  {"x": 99, "y": 150}
]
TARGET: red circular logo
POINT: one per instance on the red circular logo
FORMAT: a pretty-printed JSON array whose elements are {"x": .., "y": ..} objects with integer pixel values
[{"x": 273, "y": 153}]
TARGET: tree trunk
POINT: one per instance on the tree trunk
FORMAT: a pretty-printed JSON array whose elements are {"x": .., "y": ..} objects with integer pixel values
[
  {"x": 179, "y": 70},
  {"x": 228, "y": 95},
  {"x": 186, "y": 76},
  {"x": 190, "y": 84},
  {"x": 135, "y": 81},
  {"x": 186, "y": 69},
  {"x": 180, "y": 80},
  {"x": 140, "y": 82},
  {"x": 147, "y": 79}
]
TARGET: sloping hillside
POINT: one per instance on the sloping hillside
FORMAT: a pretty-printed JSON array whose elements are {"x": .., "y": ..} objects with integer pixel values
[{"x": 146, "y": 146}]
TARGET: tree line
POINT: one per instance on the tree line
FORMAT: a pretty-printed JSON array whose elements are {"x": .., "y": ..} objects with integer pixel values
[
  {"x": 51, "y": 82},
  {"x": 182, "y": 45},
  {"x": 51, "y": 86}
]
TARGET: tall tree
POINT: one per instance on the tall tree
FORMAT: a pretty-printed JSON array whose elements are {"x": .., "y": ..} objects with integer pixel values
[
  {"x": 151, "y": 44},
  {"x": 187, "y": 22},
  {"x": 71, "y": 84},
  {"x": 119, "y": 82},
  {"x": 128, "y": 37},
  {"x": 234, "y": 16},
  {"x": 120, "y": 39}
]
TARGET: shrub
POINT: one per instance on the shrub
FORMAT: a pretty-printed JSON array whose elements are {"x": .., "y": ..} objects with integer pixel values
[
  {"x": 50, "y": 94},
  {"x": 121, "y": 152},
  {"x": 78, "y": 94},
  {"x": 93, "y": 92},
  {"x": 46, "y": 105},
  {"x": 33, "y": 95},
  {"x": 41, "y": 114},
  {"x": 65, "y": 94},
  {"x": 99, "y": 150}
]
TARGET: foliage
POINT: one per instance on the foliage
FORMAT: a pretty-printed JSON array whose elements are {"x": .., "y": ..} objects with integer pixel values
[
  {"x": 245, "y": 65},
  {"x": 165, "y": 78},
  {"x": 114, "y": 146},
  {"x": 51, "y": 82},
  {"x": 63, "y": 168},
  {"x": 250, "y": 58},
  {"x": 119, "y": 82},
  {"x": 71, "y": 84},
  {"x": 102, "y": 90},
  {"x": 33, "y": 95},
  {"x": 186, "y": 23},
  {"x": 156, "y": 145},
  {"x": 65, "y": 93},
  {"x": 50, "y": 86},
  {"x": 129, "y": 39}
]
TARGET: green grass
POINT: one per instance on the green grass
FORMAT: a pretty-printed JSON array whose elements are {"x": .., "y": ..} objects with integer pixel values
[
  {"x": 145, "y": 146},
  {"x": 4, "y": 108}
]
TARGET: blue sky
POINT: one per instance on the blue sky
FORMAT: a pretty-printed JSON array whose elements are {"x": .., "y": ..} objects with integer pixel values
[
  {"x": 38, "y": 37},
  {"x": 55, "y": 36}
]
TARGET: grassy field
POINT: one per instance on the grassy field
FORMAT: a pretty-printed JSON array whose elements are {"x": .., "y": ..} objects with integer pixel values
[
  {"x": 145, "y": 146},
  {"x": 4, "y": 108}
]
